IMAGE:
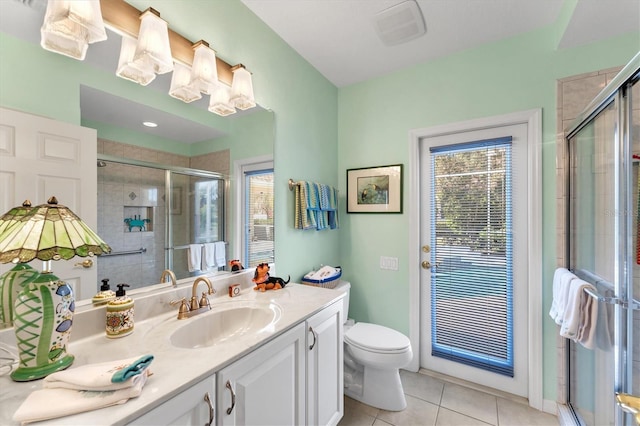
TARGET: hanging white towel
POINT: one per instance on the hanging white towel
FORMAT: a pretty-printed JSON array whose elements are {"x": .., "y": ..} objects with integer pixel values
[
  {"x": 605, "y": 323},
  {"x": 221, "y": 254},
  {"x": 588, "y": 320},
  {"x": 50, "y": 403},
  {"x": 574, "y": 313},
  {"x": 563, "y": 288},
  {"x": 557, "y": 285},
  {"x": 208, "y": 256},
  {"x": 194, "y": 257}
]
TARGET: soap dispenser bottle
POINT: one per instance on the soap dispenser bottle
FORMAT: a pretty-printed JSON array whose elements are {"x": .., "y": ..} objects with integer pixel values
[
  {"x": 105, "y": 294},
  {"x": 120, "y": 314}
]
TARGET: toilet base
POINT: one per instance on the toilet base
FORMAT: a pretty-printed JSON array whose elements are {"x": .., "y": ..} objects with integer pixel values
[{"x": 378, "y": 388}]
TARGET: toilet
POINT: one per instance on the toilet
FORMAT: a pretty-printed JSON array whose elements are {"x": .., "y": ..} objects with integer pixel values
[{"x": 373, "y": 356}]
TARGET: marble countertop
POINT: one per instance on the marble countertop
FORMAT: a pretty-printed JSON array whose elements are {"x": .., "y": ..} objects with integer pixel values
[{"x": 174, "y": 369}]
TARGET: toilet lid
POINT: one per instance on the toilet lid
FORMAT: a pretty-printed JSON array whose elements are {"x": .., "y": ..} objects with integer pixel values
[{"x": 377, "y": 338}]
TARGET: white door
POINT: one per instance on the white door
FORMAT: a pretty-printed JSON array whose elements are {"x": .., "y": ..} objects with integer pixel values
[
  {"x": 40, "y": 157},
  {"x": 467, "y": 280}
]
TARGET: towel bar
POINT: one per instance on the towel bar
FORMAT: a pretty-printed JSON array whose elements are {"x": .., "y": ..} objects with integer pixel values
[
  {"x": 122, "y": 253},
  {"x": 633, "y": 304}
]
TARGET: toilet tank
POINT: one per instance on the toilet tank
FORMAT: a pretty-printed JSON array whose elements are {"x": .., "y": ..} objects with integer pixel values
[{"x": 344, "y": 286}]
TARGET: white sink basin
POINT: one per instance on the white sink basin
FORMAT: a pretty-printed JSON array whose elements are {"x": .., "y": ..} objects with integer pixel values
[{"x": 225, "y": 321}]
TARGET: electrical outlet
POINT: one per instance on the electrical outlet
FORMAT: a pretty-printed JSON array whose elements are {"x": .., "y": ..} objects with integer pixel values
[{"x": 390, "y": 263}]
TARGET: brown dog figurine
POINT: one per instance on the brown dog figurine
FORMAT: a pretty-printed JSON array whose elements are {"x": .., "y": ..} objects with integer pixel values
[{"x": 266, "y": 282}]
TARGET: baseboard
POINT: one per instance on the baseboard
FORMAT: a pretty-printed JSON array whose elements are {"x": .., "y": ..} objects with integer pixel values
[{"x": 550, "y": 407}]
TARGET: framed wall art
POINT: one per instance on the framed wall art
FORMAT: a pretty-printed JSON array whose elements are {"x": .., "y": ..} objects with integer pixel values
[{"x": 375, "y": 189}]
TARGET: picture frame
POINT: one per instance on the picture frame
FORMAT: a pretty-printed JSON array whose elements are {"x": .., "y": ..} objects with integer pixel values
[{"x": 375, "y": 189}]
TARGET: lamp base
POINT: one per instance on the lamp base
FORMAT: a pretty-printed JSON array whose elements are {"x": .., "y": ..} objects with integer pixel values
[
  {"x": 43, "y": 317},
  {"x": 26, "y": 374}
]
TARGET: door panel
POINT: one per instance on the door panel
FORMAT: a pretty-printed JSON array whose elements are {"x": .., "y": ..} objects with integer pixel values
[
  {"x": 39, "y": 158},
  {"x": 518, "y": 384}
]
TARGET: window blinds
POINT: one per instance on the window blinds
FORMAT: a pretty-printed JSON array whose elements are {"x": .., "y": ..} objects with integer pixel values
[
  {"x": 259, "y": 221},
  {"x": 471, "y": 241}
]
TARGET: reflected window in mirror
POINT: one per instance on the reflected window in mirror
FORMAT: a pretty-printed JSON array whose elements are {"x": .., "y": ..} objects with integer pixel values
[{"x": 258, "y": 213}]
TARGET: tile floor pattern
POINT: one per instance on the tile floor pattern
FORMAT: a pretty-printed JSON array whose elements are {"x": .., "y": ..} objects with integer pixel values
[{"x": 432, "y": 402}]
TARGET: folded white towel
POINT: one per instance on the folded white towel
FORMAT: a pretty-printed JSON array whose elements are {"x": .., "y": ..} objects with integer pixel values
[
  {"x": 105, "y": 376},
  {"x": 221, "y": 254},
  {"x": 208, "y": 256},
  {"x": 194, "y": 257},
  {"x": 50, "y": 403},
  {"x": 573, "y": 313}
]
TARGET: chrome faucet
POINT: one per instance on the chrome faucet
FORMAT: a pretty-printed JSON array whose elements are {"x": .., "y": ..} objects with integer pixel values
[{"x": 167, "y": 273}]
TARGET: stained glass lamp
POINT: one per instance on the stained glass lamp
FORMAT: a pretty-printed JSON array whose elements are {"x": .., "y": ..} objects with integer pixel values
[{"x": 43, "y": 310}]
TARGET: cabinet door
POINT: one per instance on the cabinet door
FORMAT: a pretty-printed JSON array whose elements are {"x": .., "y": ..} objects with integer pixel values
[
  {"x": 325, "y": 366},
  {"x": 266, "y": 387},
  {"x": 195, "y": 406}
]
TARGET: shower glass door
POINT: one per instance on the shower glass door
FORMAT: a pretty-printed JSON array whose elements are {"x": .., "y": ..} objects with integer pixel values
[{"x": 604, "y": 251}]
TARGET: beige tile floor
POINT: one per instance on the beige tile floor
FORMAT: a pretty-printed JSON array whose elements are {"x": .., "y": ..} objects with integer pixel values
[{"x": 434, "y": 402}]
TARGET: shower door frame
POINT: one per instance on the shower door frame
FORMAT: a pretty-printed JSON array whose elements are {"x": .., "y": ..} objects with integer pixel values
[{"x": 618, "y": 92}]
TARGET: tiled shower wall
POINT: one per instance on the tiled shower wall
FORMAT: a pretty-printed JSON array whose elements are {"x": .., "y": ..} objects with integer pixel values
[{"x": 128, "y": 191}]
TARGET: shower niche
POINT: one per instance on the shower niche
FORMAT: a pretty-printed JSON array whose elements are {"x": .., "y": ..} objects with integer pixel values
[{"x": 138, "y": 218}]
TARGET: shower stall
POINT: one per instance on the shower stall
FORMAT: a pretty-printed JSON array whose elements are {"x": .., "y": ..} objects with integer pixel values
[
  {"x": 603, "y": 249},
  {"x": 151, "y": 214}
]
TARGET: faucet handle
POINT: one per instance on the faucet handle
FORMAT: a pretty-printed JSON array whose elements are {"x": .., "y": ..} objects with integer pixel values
[
  {"x": 204, "y": 300},
  {"x": 183, "y": 309}
]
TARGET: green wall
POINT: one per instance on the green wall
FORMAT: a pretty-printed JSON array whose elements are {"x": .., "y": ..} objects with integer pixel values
[{"x": 375, "y": 119}]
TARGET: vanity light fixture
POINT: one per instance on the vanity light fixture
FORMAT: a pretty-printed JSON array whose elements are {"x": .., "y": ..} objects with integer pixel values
[
  {"x": 153, "y": 49},
  {"x": 204, "y": 72},
  {"x": 242, "y": 88},
  {"x": 128, "y": 69},
  {"x": 219, "y": 102},
  {"x": 69, "y": 27},
  {"x": 180, "y": 84}
]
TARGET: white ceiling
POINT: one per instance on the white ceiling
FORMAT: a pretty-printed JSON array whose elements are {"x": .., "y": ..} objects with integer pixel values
[{"x": 337, "y": 37}]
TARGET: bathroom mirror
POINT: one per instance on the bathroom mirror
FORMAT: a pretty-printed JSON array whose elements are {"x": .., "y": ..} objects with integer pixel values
[{"x": 115, "y": 106}]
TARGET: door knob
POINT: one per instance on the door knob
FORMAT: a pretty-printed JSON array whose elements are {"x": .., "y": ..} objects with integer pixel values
[
  {"x": 426, "y": 264},
  {"x": 87, "y": 263}
]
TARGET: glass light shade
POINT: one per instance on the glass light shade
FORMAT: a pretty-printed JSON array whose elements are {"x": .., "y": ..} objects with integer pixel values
[
  {"x": 219, "y": 102},
  {"x": 204, "y": 72},
  {"x": 153, "y": 50},
  {"x": 47, "y": 232},
  {"x": 69, "y": 27},
  {"x": 129, "y": 70},
  {"x": 180, "y": 87},
  {"x": 242, "y": 89}
]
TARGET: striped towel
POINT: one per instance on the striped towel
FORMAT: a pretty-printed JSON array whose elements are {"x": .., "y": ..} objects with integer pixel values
[
  {"x": 303, "y": 217},
  {"x": 313, "y": 204}
]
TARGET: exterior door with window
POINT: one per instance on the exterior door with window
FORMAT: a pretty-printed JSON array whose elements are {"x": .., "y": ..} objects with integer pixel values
[{"x": 474, "y": 283}]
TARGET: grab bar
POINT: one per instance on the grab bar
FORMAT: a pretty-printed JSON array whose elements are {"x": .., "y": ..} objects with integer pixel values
[{"x": 122, "y": 253}]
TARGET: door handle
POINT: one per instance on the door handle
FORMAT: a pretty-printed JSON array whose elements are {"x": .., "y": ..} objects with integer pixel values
[
  {"x": 629, "y": 404},
  {"x": 212, "y": 415},
  {"x": 233, "y": 397},
  {"x": 87, "y": 263}
]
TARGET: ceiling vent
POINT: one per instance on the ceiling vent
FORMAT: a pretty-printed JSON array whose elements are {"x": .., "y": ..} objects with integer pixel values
[{"x": 400, "y": 23}]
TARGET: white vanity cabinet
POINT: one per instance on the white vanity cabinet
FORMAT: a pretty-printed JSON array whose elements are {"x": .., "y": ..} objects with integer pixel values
[
  {"x": 195, "y": 406},
  {"x": 325, "y": 366},
  {"x": 266, "y": 386}
]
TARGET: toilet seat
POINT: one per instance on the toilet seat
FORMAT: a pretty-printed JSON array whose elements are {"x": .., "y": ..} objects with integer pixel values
[{"x": 376, "y": 338}]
